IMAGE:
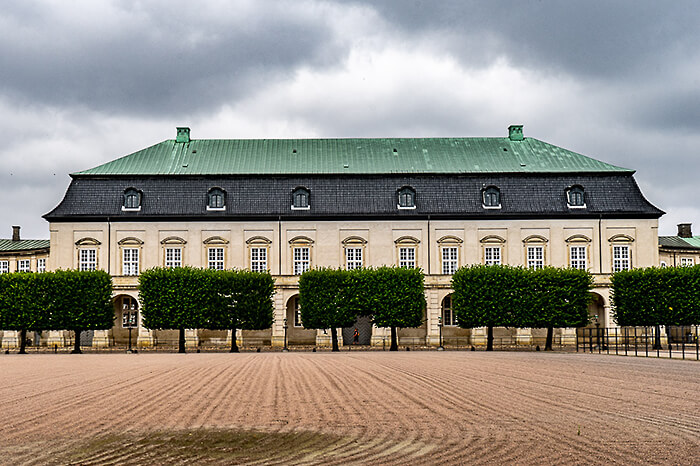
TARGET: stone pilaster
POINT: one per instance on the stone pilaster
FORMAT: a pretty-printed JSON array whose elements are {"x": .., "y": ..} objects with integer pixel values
[
  {"x": 523, "y": 336},
  {"x": 100, "y": 339},
  {"x": 432, "y": 314},
  {"x": 568, "y": 336},
  {"x": 10, "y": 339},
  {"x": 144, "y": 338},
  {"x": 278, "y": 324},
  {"x": 381, "y": 336},
  {"x": 479, "y": 336},
  {"x": 56, "y": 338},
  {"x": 191, "y": 338}
]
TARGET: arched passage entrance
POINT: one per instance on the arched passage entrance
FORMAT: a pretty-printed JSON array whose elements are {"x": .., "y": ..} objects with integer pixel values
[
  {"x": 452, "y": 334},
  {"x": 296, "y": 333},
  {"x": 126, "y": 314},
  {"x": 363, "y": 324}
]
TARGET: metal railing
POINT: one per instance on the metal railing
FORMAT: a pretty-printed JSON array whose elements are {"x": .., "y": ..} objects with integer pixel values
[{"x": 676, "y": 342}]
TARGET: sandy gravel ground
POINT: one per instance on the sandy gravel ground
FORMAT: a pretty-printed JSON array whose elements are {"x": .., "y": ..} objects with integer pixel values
[{"x": 348, "y": 408}]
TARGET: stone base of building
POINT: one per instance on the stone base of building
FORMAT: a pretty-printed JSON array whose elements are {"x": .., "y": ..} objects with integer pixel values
[
  {"x": 432, "y": 340},
  {"x": 144, "y": 339},
  {"x": 100, "y": 339},
  {"x": 10, "y": 339},
  {"x": 56, "y": 338},
  {"x": 277, "y": 341}
]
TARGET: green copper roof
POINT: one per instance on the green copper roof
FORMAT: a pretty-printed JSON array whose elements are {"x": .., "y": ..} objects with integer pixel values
[
  {"x": 693, "y": 241},
  {"x": 678, "y": 242},
  {"x": 7, "y": 245},
  {"x": 351, "y": 156}
]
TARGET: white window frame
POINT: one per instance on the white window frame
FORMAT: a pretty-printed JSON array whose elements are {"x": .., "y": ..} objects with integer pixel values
[
  {"x": 687, "y": 262},
  {"x": 407, "y": 257},
  {"x": 216, "y": 258},
  {"x": 301, "y": 259},
  {"x": 130, "y": 261},
  {"x": 41, "y": 265},
  {"x": 173, "y": 257},
  {"x": 621, "y": 257},
  {"x": 258, "y": 259},
  {"x": 492, "y": 255},
  {"x": 4, "y": 266},
  {"x": 353, "y": 258},
  {"x": 24, "y": 265},
  {"x": 450, "y": 259},
  {"x": 535, "y": 257},
  {"x": 297, "y": 314},
  {"x": 578, "y": 257},
  {"x": 87, "y": 259}
]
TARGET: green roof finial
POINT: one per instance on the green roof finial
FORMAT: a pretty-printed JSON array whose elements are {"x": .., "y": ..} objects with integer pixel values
[
  {"x": 183, "y": 134},
  {"x": 515, "y": 132}
]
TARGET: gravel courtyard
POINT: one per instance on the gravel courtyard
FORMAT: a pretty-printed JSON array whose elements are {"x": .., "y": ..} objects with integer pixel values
[{"x": 348, "y": 408}]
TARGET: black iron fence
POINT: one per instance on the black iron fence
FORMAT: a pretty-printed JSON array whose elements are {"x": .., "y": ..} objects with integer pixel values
[{"x": 668, "y": 342}]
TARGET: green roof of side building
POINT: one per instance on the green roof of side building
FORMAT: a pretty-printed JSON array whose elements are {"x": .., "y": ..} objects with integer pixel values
[
  {"x": 513, "y": 154},
  {"x": 8, "y": 245}
]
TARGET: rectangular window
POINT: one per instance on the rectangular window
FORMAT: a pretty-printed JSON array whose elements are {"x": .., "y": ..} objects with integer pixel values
[
  {"x": 173, "y": 257},
  {"x": 407, "y": 258},
  {"x": 302, "y": 260},
  {"x": 492, "y": 255},
  {"x": 353, "y": 258},
  {"x": 4, "y": 266},
  {"x": 535, "y": 257},
  {"x": 687, "y": 262},
  {"x": 297, "y": 313},
  {"x": 130, "y": 264},
  {"x": 621, "y": 258},
  {"x": 449, "y": 260},
  {"x": 258, "y": 259},
  {"x": 23, "y": 265},
  {"x": 216, "y": 258},
  {"x": 577, "y": 257},
  {"x": 87, "y": 259},
  {"x": 41, "y": 265}
]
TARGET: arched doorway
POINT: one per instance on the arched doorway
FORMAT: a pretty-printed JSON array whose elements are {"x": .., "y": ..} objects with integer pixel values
[
  {"x": 296, "y": 333},
  {"x": 126, "y": 314},
  {"x": 452, "y": 333},
  {"x": 363, "y": 324}
]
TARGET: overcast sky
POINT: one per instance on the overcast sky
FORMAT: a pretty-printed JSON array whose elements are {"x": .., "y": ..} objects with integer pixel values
[{"x": 85, "y": 82}]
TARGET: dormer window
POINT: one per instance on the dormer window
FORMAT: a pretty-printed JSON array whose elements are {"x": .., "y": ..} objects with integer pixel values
[
  {"x": 574, "y": 197},
  {"x": 300, "y": 199},
  {"x": 216, "y": 199},
  {"x": 491, "y": 198},
  {"x": 407, "y": 198},
  {"x": 132, "y": 200}
]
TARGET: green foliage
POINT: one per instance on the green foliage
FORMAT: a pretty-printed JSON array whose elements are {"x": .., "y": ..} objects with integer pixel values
[
  {"x": 80, "y": 300},
  {"x": 506, "y": 296},
  {"x": 557, "y": 298},
  {"x": 656, "y": 296},
  {"x": 177, "y": 298},
  {"x": 323, "y": 299},
  {"x": 489, "y": 296},
  {"x": 23, "y": 301},
  {"x": 244, "y": 300},
  {"x": 394, "y": 296}
]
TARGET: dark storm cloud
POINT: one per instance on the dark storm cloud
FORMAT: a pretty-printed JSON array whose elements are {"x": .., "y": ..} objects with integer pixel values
[
  {"x": 170, "y": 59},
  {"x": 582, "y": 37}
]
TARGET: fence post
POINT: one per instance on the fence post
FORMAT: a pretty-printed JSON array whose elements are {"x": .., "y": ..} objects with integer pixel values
[{"x": 635, "y": 341}]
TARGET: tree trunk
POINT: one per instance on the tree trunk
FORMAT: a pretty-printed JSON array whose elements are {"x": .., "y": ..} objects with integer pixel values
[
  {"x": 23, "y": 341},
  {"x": 657, "y": 338},
  {"x": 489, "y": 338},
  {"x": 181, "y": 341},
  {"x": 234, "y": 343},
  {"x": 394, "y": 340},
  {"x": 76, "y": 347},
  {"x": 334, "y": 339},
  {"x": 550, "y": 337}
]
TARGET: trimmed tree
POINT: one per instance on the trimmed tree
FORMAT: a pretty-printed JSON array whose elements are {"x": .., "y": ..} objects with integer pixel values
[
  {"x": 244, "y": 302},
  {"x": 177, "y": 298},
  {"x": 23, "y": 304},
  {"x": 557, "y": 298},
  {"x": 394, "y": 297},
  {"x": 489, "y": 296},
  {"x": 80, "y": 300},
  {"x": 323, "y": 299}
]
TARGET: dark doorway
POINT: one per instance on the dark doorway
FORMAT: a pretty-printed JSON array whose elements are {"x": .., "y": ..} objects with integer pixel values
[{"x": 364, "y": 328}]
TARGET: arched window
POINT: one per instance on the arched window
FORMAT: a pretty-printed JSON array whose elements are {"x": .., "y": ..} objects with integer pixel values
[
  {"x": 132, "y": 199},
  {"x": 448, "y": 317},
  {"x": 574, "y": 197},
  {"x": 491, "y": 197},
  {"x": 300, "y": 198},
  {"x": 216, "y": 199},
  {"x": 407, "y": 198}
]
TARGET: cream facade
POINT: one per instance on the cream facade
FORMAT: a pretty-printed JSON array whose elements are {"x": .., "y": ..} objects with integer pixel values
[{"x": 437, "y": 247}]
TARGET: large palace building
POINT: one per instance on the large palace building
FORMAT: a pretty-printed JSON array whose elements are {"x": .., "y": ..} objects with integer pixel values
[{"x": 290, "y": 205}]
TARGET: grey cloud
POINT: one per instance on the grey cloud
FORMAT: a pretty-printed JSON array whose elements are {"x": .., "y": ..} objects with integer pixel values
[{"x": 156, "y": 61}]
